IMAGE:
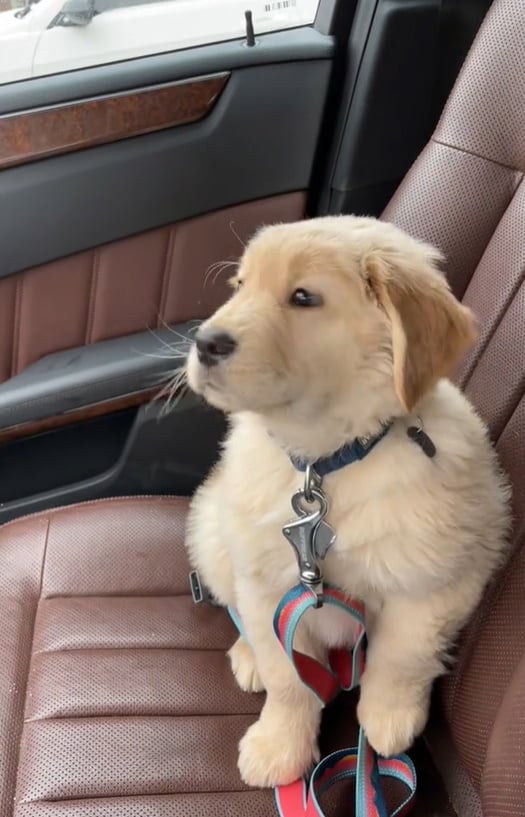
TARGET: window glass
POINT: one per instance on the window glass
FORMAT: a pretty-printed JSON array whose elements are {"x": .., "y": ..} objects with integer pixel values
[{"x": 39, "y": 37}]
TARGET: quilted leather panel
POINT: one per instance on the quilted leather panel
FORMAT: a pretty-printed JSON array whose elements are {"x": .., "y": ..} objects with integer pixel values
[
  {"x": 499, "y": 274},
  {"x": 455, "y": 201},
  {"x": 120, "y": 698},
  {"x": 484, "y": 114},
  {"x": 142, "y": 282},
  {"x": 465, "y": 193},
  {"x": 502, "y": 763},
  {"x": 129, "y": 698}
]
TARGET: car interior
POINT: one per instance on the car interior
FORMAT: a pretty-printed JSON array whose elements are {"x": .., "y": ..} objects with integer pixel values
[{"x": 127, "y": 192}]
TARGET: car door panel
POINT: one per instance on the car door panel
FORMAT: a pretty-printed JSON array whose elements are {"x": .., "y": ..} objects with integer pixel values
[
  {"x": 129, "y": 185},
  {"x": 151, "y": 183},
  {"x": 94, "y": 338},
  {"x": 254, "y": 144},
  {"x": 145, "y": 282},
  {"x": 297, "y": 45},
  {"x": 27, "y": 137},
  {"x": 126, "y": 452},
  {"x": 100, "y": 431},
  {"x": 122, "y": 370}
]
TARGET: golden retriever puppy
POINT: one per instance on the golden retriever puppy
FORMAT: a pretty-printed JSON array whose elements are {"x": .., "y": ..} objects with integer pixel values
[{"x": 343, "y": 329}]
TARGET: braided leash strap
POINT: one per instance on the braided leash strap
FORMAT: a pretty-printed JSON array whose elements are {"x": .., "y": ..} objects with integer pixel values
[{"x": 345, "y": 669}]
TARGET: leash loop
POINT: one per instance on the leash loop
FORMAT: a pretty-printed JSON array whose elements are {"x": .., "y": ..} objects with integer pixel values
[
  {"x": 311, "y": 480},
  {"x": 301, "y": 798},
  {"x": 344, "y": 672},
  {"x": 346, "y": 667}
]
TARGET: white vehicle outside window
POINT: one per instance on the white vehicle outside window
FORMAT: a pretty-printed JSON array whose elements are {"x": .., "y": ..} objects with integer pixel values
[{"x": 49, "y": 36}]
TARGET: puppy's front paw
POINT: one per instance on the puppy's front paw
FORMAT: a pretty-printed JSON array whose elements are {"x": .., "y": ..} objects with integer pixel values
[
  {"x": 275, "y": 757},
  {"x": 391, "y": 727},
  {"x": 244, "y": 668}
]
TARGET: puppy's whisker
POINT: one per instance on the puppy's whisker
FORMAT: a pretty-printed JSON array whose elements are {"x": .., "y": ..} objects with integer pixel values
[
  {"x": 236, "y": 234},
  {"x": 217, "y": 274},
  {"x": 174, "y": 331},
  {"x": 159, "y": 379},
  {"x": 217, "y": 269},
  {"x": 164, "y": 378},
  {"x": 223, "y": 264},
  {"x": 167, "y": 353},
  {"x": 170, "y": 348},
  {"x": 174, "y": 390}
]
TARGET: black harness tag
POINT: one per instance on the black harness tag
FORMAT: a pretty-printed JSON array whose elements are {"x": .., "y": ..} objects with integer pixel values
[
  {"x": 422, "y": 439},
  {"x": 199, "y": 591}
]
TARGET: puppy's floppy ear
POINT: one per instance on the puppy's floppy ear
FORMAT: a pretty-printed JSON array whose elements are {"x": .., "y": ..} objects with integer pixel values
[{"x": 431, "y": 330}]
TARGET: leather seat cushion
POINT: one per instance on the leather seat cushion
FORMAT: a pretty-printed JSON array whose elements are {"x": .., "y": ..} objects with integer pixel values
[
  {"x": 118, "y": 699},
  {"x": 465, "y": 193},
  {"x": 117, "y": 686}
]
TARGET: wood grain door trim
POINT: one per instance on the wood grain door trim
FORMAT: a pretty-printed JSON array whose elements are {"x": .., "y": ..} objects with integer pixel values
[
  {"x": 32, "y": 135},
  {"x": 105, "y": 407}
]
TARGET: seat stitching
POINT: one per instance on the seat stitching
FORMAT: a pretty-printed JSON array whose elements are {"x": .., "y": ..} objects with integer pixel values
[
  {"x": 142, "y": 648},
  {"x": 17, "y": 325},
  {"x": 490, "y": 600},
  {"x": 509, "y": 413},
  {"x": 142, "y": 716},
  {"x": 168, "y": 260},
  {"x": 491, "y": 596},
  {"x": 491, "y": 236},
  {"x": 90, "y": 322},
  {"x": 476, "y": 155},
  {"x": 519, "y": 178},
  {"x": 66, "y": 650},
  {"x": 500, "y": 317},
  {"x": 43, "y": 565},
  {"x": 132, "y": 596},
  {"x": 171, "y": 498},
  {"x": 96, "y": 797},
  {"x": 104, "y": 718},
  {"x": 30, "y": 652}
]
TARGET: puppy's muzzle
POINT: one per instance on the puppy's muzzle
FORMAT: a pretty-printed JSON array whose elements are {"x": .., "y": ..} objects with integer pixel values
[{"x": 214, "y": 345}]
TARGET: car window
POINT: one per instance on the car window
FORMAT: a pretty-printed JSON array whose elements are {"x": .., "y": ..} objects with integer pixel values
[{"x": 42, "y": 37}]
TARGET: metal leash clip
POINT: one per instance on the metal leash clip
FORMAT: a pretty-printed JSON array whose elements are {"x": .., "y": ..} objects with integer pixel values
[{"x": 310, "y": 536}]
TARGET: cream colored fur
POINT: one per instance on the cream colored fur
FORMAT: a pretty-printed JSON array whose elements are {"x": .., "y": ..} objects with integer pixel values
[{"x": 417, "y": 538}]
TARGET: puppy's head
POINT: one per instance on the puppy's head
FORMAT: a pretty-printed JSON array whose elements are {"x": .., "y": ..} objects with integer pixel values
[{"x": 333, "y": 312}]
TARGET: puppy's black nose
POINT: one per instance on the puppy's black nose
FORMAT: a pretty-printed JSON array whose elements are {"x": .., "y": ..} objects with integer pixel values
[{"x": 214, "y": 345}]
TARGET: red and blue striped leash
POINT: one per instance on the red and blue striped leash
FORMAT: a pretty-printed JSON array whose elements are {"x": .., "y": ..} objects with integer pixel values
[{"x": 346, "y": 666}]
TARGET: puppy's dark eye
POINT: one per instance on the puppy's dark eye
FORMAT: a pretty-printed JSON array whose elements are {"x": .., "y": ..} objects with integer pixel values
[{"x": 301, "y": 297}]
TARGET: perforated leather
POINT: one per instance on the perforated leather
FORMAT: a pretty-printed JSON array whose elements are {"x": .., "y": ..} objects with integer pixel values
[
  {"x": 118, "y": 696},
  {"x": 120, "y": 699},
  {"x": 466, "y": 194}
]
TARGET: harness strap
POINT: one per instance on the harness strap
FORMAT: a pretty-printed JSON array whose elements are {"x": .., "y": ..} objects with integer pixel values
[
  {"x": 301, "y": 799},
  {"x": 346, "y": 666}
]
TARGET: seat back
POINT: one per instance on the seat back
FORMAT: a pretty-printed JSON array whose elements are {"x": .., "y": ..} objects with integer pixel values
[{"x": 465, "y": 193}]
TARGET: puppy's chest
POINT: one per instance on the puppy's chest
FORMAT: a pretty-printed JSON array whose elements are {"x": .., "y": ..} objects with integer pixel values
[
  {"x": 364, "y": 558},
  {"x": 351, "y": 562}
]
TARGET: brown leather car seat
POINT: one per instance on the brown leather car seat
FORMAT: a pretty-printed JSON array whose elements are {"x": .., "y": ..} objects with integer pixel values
[
  {"x": 117, "y": 699},
  {"x": 466, "y": 194}
]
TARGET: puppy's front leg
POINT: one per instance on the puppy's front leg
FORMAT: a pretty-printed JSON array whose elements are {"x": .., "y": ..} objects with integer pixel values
[
  {"x": 404, "y": 657},
  {"x": 282, "y": 745}
]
